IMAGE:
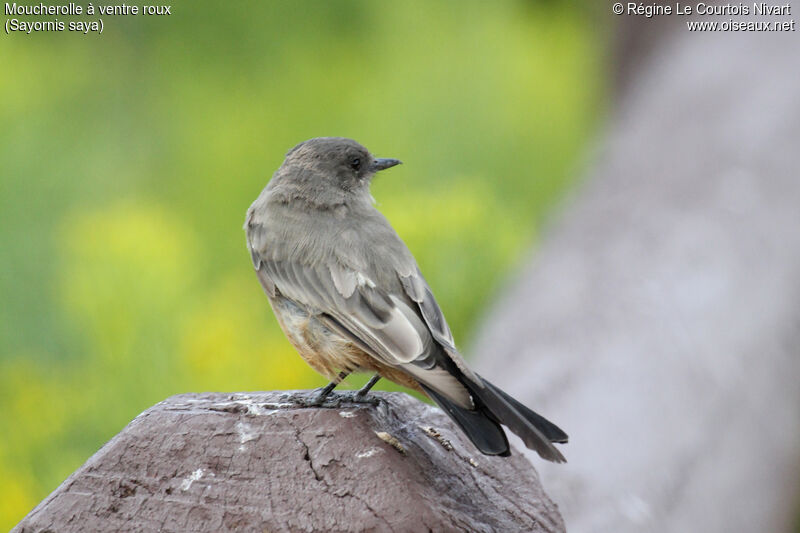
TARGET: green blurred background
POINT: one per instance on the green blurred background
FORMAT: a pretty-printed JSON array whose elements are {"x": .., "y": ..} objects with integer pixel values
[{"x": 129, "y": 159}]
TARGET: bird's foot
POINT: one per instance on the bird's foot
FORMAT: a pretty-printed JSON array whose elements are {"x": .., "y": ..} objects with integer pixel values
[
  {"x": 326, "y": 397},
  {"x": 362, "y": 392},
  {"x": 314, "y": 398},
  {"x": 334, "y": 399},
  {"x": 350, "y": 397}
]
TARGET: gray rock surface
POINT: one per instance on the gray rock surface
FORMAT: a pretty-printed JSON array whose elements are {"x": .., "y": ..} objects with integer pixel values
[
  {"x": 659, "y": 322},
  {"x": 265, "y": 462}
]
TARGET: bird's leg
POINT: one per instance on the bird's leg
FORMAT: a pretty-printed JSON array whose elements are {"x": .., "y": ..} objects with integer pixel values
[
  {"x": 327, "y": 389},
  {"x": 362, "y": 392}
]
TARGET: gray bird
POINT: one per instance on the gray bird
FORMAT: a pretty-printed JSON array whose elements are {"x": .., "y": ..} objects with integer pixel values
[{"x": 349, "y": 295}]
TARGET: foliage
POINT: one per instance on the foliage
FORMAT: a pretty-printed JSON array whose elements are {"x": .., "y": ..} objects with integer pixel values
[{"x": 129, "y": 159}]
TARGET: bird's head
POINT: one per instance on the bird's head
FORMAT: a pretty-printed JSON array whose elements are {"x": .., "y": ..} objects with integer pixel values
[{"x": 332, "y": 164}]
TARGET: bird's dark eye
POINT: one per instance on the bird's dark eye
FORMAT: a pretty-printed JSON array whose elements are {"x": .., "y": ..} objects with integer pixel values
[{"x": 355, "y": 163}]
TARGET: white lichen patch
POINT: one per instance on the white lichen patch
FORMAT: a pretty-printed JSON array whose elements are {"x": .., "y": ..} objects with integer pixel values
[
  {"x": 255, "y": 409},
  {"x": 368, "y": 453},
  {"x": 186, "y": 484},
  {"x": 250, "y": 407},
  {"x": 347, "y": 414},
  {"x": 390, "y": 440},
  {"x": 246, "y": 434}
]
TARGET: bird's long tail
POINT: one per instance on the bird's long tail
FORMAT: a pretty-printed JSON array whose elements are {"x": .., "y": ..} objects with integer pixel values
[
  {"x": 495, "y": 407},
  {"x": 536, "y": 432},
  {"x": 484, "y": 431}
]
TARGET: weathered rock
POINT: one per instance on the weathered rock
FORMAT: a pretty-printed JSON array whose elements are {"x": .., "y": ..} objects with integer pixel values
[{"x": 265, "y": 462}]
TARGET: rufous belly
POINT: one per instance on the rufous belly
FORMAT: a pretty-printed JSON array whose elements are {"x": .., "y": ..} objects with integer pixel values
[{"x": 326, "y": 351}]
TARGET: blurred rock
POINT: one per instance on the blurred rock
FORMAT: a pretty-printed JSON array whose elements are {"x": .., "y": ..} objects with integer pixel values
[
  {"x": 659, "y": 322},
  {"x": 264, "y": 462}
]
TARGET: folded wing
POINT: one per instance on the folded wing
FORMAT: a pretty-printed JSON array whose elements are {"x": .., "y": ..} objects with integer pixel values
[{"x": 381, "y": 324}]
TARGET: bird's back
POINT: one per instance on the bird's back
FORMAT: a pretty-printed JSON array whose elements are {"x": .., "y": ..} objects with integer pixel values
[{"x": 354, "y": 235}]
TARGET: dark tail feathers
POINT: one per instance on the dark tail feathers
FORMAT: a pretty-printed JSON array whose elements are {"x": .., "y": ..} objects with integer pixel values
[
  {"x": 535, "y": 431},
  {"x": 552, "y": 432},
  {"x": 495, "y": 407},
  {"x": 484, "y": 432}
]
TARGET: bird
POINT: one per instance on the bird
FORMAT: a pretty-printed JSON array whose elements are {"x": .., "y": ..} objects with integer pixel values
[{"x": 350, "y": 297}]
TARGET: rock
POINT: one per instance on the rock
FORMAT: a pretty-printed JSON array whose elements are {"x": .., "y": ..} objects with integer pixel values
[{"x": 267, "y": 462}]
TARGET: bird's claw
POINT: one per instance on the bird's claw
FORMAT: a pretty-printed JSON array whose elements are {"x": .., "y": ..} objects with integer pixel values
[
  {"x": 359, "y": 397},
  {"x": 336, "y": 399}
]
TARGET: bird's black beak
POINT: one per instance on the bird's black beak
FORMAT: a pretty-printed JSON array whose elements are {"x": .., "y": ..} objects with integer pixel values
[{"x": 382, "y": 164}]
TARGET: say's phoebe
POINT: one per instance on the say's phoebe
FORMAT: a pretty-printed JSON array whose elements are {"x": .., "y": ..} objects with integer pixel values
[{"x": 350, "y": 297}]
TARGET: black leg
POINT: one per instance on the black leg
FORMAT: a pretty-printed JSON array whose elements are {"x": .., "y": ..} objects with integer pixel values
[
  {"x": 327, "y": 389},
  {"x": 365, "y": 389}
]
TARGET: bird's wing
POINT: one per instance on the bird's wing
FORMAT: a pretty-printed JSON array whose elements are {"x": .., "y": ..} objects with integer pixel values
[
  {"x": 417, "y": 289},
  {"x": 385, "y": 324},
  {"x": 382, "y": 324}
]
